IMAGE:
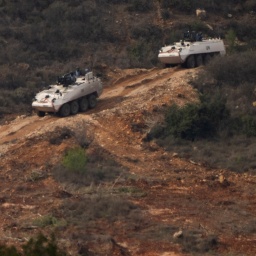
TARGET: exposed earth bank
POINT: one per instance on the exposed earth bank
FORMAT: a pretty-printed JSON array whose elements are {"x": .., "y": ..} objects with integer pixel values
[{"x": 214, "y": 210}]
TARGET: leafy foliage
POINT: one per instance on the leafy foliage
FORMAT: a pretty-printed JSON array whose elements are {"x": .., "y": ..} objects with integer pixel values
[
  {"x": 194, "y": 121},
  {"x": 75, "y": 160},
  {"x": 219, "y": 130},
  {"x": 234, "y": 69},
  {"x": 82, "y": 169},
  {"x": 41, "y": 246}
]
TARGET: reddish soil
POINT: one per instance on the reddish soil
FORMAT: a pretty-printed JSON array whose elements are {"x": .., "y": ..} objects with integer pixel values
[{"x": 177, "y": 193}]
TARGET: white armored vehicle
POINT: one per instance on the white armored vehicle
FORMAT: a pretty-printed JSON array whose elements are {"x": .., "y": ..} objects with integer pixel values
[
  {"x": 192, "y": 51},
  {"x": 72, "y": 93}
]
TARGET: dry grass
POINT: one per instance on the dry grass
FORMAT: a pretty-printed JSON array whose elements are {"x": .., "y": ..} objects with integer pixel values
[{"x": 237, "y": 153}]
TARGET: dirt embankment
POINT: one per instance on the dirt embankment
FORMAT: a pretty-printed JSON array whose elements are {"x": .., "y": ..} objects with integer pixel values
[{"x": 212, "y": 208}]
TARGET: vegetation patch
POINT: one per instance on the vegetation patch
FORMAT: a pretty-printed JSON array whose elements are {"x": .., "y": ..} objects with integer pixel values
[
  {"x": 40, "y": 245},
  {"x": 49, "y": 220},
  {"x": 219, "y": 130},
  {"x": 107, "y": 207},
  {"x": 193, "y": 241},
  {"x": 82, "y": 169},
  {"x": 59, "y": 134},
  {"x": 236, "y": 154},
  {"x": 196, "y": 120}
]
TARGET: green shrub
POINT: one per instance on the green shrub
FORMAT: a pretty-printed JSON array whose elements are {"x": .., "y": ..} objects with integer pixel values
[
  {"x": 234, "y": 69},
  {"x": 41, "y": 246},
  {"x": 80, "y": 169},
  {"x": 9, "y": 251},
  {"x": 147, "y": 32},
  {"x": 199, "y": 26},
  {"x": 49, "y": 220},
  {"x": 244, "y": 30},
  {"x": 196, "y": 120},
  {"x": 172, "y": 35},
  {"x": 136, "y": 53},
  {"x": 248, "y": 125},
  {"x": 75, "y": 160}
]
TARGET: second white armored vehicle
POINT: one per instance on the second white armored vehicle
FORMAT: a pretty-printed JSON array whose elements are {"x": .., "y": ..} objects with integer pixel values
[
  {"x": 71, "y": 94},
  {"x": 192, "y": 51}
]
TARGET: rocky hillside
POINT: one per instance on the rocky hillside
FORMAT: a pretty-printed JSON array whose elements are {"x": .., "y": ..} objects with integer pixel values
[
  {"x": 48, "y": 38},
  {"x": 133, "y": 198},
  {"x": 98, "y": 180}
]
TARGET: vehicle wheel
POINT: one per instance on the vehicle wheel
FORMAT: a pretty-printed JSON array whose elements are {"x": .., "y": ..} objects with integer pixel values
[
  {"x": 65, "y": 110},
  {"x": 41, "y": 113},
  {"x": 92, "y": 101},
  {"x": 199, "y": 60},
  {"x": 191, "y": 62},
  {"x": 74, "y": 107},
  {"x": 207, "y": 58},
  {"x": 83, "y": 104}
]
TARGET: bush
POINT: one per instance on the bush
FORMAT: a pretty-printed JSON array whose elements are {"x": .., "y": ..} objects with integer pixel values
[
  {"x": 147, "y": 32},
  {"x": 249, "y": 125},
  {"x": 75, "y": 160},
  {"x": 137, "y": 53},
  {"x": 199, "y": 26},
  {"x": 244, "y": 30},
  {"x": 34, "y": 247},
  {"x": 80, "y": 169},
  {"x": 234, "y": 69},
  {"x": 197, "y": 120}
]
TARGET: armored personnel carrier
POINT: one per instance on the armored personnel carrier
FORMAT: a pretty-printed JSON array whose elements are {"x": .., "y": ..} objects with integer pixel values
[
  {"x": 192, "y": 51},
  {"x": 72, "y": 93}
]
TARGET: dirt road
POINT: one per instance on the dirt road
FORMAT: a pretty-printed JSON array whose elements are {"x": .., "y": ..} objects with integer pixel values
[{"x": 213, "y": 209}]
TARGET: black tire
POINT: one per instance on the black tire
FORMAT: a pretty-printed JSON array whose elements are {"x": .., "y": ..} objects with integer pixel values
[
  {"x": 74, "y": 107},
  {"x": 207, "y": 59},
  {"x": 199, "y": 60},
  {"x": 41, "y": 113},
  {"x": 92, "y": 101},
  {"x": 65, "y": 110},
  {"x": 83, "y": 104},
  {"x": 191, "y": 62}
]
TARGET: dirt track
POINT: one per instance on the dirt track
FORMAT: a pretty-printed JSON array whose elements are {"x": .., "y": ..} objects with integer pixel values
[{"x": 179, "y": 193}]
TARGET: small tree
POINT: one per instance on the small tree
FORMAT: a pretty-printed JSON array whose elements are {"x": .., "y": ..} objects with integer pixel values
[
  {"x": 231, "y": 38},
  {"x": 75, "y": 160},
  {"x": 197, "y": 120},
  {"x": 41, "y": 246}
]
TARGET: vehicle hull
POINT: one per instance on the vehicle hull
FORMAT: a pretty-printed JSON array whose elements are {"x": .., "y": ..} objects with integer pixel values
[
  {"x": 179, "y": 52},
  {"x": 52, "y": 99}
]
